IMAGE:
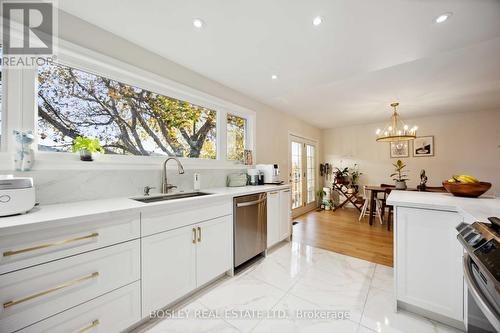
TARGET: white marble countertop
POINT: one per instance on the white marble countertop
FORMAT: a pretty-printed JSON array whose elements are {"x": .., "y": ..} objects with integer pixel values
[
  {"x": 59, "y": 213},
  {"x": 473, "y": 209}
]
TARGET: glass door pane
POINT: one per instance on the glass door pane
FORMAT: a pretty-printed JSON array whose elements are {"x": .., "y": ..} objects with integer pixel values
[
  {"x": 311, "y": 191},
  {"x": 297, "y": 171}
]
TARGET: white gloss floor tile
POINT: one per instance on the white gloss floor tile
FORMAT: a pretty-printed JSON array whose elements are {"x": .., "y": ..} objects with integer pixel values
[{"x": 295, "y": 280}]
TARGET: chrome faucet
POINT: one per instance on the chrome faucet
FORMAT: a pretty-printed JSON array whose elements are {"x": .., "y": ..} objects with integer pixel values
[{"x": 165, "y": 186}]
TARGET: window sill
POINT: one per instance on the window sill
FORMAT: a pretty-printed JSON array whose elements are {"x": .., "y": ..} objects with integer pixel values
[{"x": 68, "y": 161}]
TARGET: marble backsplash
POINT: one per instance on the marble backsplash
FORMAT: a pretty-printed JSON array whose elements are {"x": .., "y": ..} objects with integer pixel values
[{"x": 59, "y": 186}]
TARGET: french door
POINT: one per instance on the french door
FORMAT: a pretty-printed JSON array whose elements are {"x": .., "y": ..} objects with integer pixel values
[{"x": 302, "y": 174}]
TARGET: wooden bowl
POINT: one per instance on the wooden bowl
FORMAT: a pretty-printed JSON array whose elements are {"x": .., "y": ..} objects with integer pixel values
[{"x": 470, "y": 190}]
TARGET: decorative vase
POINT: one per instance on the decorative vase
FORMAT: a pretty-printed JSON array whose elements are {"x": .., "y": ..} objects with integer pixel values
[
  {"x": 400, "y": 185},
  {"x": 85, "y": 155}
]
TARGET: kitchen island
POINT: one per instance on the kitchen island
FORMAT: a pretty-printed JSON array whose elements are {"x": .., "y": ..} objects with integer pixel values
[{"x": 427, "y": 255}]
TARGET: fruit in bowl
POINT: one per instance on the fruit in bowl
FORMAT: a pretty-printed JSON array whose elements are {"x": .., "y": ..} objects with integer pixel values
[{"x": 466, "y": 186}]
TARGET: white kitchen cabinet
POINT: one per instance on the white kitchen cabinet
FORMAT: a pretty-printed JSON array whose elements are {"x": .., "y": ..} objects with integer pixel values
[
  {"x": 41, "y": 291},
  {"x": 273, "y": 218},
  {"x": 178, "y": 261},
  {"x": 285, "y": 214},
  {"x": 213, "y": 249},
  {"x": 278, "y": 216},
  {"x": 428, "y": 261},
  {"x": 168, "y": 267}
]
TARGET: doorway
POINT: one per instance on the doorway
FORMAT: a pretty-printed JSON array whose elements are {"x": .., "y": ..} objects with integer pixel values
[{"x": 302, "y": 174}]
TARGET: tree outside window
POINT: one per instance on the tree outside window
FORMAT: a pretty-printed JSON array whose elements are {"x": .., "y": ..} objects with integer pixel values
[
  {"x": 125, "y": 119},
  {"x": 236, "y": 136}
]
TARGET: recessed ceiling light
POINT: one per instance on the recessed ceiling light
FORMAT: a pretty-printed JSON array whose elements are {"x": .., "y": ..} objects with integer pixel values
[
  {"x": 317, "y": 20},
  {"x": 443, "y": 17},
  {"x": 274, "y": 77},
  {"x": 198, "y": 23}
]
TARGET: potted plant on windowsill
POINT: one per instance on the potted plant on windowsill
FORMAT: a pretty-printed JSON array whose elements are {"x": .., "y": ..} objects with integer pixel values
[
  {"x": 86, "y": 146},
  {"x": 400, "y": 177}
]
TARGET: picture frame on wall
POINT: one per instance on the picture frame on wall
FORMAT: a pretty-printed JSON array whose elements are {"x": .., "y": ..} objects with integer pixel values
[
  {"x": 423, "y": 146},
  {"x": 400, "y": 149}
]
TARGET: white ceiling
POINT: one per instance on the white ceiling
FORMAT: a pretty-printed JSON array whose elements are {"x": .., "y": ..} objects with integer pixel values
[{"x": 346, "y": 71}]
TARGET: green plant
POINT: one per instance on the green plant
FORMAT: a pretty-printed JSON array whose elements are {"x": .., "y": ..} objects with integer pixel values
[
  {"x": 91, "y": 145},
  {"x": 399, "y": 175},
  {"x": 320, "y": 194},
  {"x": 355, "y": 174}
]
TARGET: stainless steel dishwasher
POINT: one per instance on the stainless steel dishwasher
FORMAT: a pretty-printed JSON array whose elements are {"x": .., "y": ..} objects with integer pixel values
[{"x": 250, "y": 226}]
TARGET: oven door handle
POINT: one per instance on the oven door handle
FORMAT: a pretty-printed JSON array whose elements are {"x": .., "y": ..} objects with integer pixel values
[{"x": 478, "y": 296}]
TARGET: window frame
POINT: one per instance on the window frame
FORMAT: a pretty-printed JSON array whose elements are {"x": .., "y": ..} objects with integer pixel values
[
  {"x": 23, "y": 112},
  {"x": 246, "y": 136}
]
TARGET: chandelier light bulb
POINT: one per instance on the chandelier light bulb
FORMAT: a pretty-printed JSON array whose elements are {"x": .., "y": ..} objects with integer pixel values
[
  {"x": 405, "y": 127},
  {"x": 390, "y": 128},
  {"x": 378, "y": 131}
]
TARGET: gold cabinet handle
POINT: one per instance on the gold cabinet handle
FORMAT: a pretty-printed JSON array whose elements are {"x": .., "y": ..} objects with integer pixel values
[
  {"x": 51, "y": 290},
  {"x": 199, "y": 234},
  {"x": 43, "y": 246},
  {"x": 90, "y": 326},
  {"x": 194, "y": 236}
]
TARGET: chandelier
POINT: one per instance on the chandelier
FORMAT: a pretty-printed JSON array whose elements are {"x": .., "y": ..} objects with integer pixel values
[{"x": 396, "y": 130}]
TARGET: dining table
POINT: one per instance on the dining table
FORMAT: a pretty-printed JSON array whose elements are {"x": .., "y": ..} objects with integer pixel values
[
  {"x": 374, "y": 191},
  {"x": 385, "y": 188}
]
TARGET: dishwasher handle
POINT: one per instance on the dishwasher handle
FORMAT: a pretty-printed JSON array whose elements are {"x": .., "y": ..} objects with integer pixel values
[
  {"x": 477, "y": 294},
  {"x": 249, "y": 203}
]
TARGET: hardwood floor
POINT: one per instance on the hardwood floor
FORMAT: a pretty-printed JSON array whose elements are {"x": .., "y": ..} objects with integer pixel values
[{"x": 341, "y": 232}]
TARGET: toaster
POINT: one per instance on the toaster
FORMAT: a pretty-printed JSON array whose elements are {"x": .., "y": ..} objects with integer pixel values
[{"x": 17, "y": 195}]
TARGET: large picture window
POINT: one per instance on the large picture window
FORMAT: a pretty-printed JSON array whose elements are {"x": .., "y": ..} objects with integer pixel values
[{"x": 125, "y": 119}]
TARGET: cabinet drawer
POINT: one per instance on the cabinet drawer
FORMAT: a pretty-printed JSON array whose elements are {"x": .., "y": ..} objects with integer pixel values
[
  {"x": 26, "y": 249},
  {"x": 163, "y": 219},
  {"x": 112, "y": 312},
  {"x": 35, "y": 293}
]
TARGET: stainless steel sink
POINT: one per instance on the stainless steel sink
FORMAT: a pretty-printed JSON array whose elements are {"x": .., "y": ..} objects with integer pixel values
[{"x": 166, "y": 197}]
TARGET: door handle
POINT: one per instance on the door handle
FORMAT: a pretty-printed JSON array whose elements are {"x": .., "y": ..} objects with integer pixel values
[
  {"x": 199, "y": 234},
  {"x": 194, "y": 236}
]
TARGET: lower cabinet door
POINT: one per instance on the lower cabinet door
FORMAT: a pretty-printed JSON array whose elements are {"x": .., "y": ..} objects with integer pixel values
[
  {"x": 112, "y": 312},
  {"x": 285, "y": 214},
  {"x": 168, "y": 267},
  {"x": 273, "y": 218},
  {"x": 214, "y": 248},
  {"x": 429, "y": 261}
]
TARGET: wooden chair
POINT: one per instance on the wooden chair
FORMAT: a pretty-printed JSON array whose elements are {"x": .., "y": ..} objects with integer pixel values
[
  {"x": 383, "y": 200},
  {"x": 365, "y": 210}
]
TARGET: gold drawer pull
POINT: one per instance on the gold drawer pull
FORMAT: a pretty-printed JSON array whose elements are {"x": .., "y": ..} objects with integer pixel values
[
  {"x": 51, "y": 290},
  {"x": 43, "y": 246},
  {"x": 90, "y": 326},
  {"x": 194, "y": 236},
  {"x": 199, "y": 234}
]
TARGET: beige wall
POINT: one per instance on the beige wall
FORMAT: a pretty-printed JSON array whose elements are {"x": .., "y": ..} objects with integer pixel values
[
  {"x": 465, "y": 143},
  {"x": 272, "y": 126}
]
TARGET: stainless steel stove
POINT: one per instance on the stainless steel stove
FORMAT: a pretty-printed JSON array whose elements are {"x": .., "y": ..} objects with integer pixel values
[{"x": 481, "y": 264}]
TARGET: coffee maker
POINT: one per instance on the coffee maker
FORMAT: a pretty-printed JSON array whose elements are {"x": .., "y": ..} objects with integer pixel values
[{"x": 271, "y": 173}]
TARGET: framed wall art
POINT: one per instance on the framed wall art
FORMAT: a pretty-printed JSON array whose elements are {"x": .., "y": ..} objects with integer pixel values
[
  {"x": 423, "y": 146},
  {"x": 400, "y": 149}
]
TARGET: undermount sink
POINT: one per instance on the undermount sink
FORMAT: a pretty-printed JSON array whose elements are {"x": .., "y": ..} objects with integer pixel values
[{"x": 166, "y": 197}]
